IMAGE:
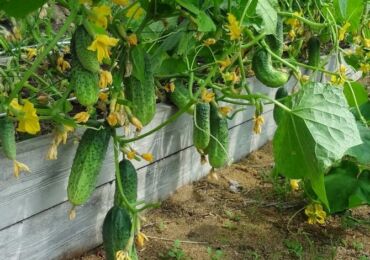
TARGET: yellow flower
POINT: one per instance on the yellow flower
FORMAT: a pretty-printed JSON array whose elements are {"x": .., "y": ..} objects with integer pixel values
[
  {"x": 337, "y": 80},
  {"x": 170, "y": 87},
  {"x": 112, "y": 119},
  {"x": 31, "y": 53},
  {"x": 365, "y": 68},
  {"x": 258, "y": 122},
  {"x": 343, "y": 31},
  {"x": 233, "y": 27},
  {"x": 131, "y": 154},
  {"x": 342, "y": 69},
  {"x": 224, "y": 63},
  {"x": 231, "y": 76},
  {"x": 135, "y": 12},
  {"x": 100, "y": 15},
  {"x": 82, "y": 117},
  {"x": 132, "y": 39},
  {"x": 122, "y": 255},
  {"x": 294, "y": 22},
  {"x": 140, "y": 239},
  {"x": 366, "y": 42},
  {"x": 101, "y": 45},
  {"x": 19, "y": 167},
  {"x": 209, "y": 42},
  {"x": 357, "y": 39},
  {"x": 62, "y": 64},
  {"x": 121, "y": 2},
  {"x": 103, "y": 96},
  {"x": 27, "y": 117},
  {"x": 105, "y": 78},
  {"x": 147, "y": 157},
  {"x": 315, "y": 213},
  {"x": 294, "y": 184},
  {"x": 60, "y": 136},
  {"x": 207, "y": 96},
  {"x": 225, "y": 110},
  {"x": 292, "y": 34}
]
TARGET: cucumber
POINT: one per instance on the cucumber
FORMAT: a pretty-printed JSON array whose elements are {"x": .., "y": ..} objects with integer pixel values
[
  {"x": 85, "y": 85},
  {"x": 277, "y": 112},
  {"x": 181, "y": 97},
  {"x": 265, "y": 72},
  {"x": 86, "y": 165},
  {"x": 313, "y": 48},
  {"x": 219, "y": 142},
  {"x": 276, "y": 41},
  {"x": 201, "y": 134},
  {"x": 129, "y": 183},
  {"x": 116, "y": 231},
  {"x": 141, "y": 94},
  {"x": 7, "y": 138},
  {"x": 81, "y": 41}
]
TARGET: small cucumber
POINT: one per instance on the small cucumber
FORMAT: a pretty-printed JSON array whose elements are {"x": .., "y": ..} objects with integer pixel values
[
  {"x": 265, "y": 72},
  {"x": 116, "y": 231},
  {"x": 129, "y": 183},
  {"x": 201, "y": 130},
  {"x": 7, "y": 138},
  {"x": 313, "y": 47},
  {"x": 277, "y": 112},
  {"x": 219, "y": 142}
]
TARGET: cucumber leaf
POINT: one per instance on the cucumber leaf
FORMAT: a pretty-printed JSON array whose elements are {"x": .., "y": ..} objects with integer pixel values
[
  {"x": 349, "y": 10},
  {"x": 359, "y": 92},
  {"x": 361, "y": 152},
  {"x": 316, "y": 133},
  {"x": 268, "y": 14},
  {"x": 346, "y": 187},
  {"x": 20, "y": 8}
]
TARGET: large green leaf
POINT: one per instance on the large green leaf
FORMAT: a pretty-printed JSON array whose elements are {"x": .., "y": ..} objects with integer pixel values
[
  {"x": 359, "y": 92},
  {"x": 20, "y": 8},
  {"x": 346, "y": 187},
  {"x": 316, "y": 133},
  {"x": 349, "y": 10},
  {"x": 268, "y": 14},
  {"x": 361, "y": 152},
  {"x": 205, "y": 23}
]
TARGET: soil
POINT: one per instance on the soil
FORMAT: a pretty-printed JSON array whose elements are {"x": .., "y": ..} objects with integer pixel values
[{"x": 248, "y": 214}]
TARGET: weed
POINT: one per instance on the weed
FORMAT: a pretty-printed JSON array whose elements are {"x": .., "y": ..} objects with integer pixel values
[
  {"x": 175, "y": 252},
  {"x": 294, "y": 246},
  {"x": 214, "y": 255}
]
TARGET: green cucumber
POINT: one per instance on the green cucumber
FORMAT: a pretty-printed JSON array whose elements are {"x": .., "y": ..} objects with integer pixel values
[
  {"x": 85, "y": 85},
  {"x": 81, "y": 41},
  {"x": 276, "y": 41},
  {"x": 7, "y": 138},
  {"x": 141, "y": 94},
  {"x": 219, "y": 142},
  {"x": 116, "y": 231},
  {"x": 278, "y": 111},
  {"x": 180, "y": 97},
  {"x": 265, "y": 72},
  {"x": 129, "y": 183},
  {"x": 201, "y": 130},
  {"x": 313, "y": 47},
  {"x": 86, "y": 165}
]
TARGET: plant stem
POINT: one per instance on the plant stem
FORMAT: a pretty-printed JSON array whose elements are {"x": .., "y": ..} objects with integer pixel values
[
  {"x": 306, "y": 21},
  {"x": 41, "y": 57}
]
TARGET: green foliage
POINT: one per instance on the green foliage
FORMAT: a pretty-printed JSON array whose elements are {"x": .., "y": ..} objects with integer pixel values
[
  {"x": 316, "y": 133},
  {"x": 20, "y": 8},
  {"x": 355, "y": 93},
  {"x": 175, "y": 252}
]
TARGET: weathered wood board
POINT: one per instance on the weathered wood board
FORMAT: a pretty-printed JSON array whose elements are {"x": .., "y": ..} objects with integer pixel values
[{"x": 50, "y": 235}]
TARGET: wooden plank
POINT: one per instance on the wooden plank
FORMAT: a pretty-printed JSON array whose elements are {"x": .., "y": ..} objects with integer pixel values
[
  {"x": 50, "y": 235},
  {"x": 46, "y": 185}
]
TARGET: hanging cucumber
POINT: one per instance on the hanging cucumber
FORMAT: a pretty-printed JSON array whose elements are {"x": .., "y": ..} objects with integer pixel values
[
  {"x": 128, "y": 176},
  {"x": 276, "y": 41},
  {"x": 219, "y": 141},
  {"x": 116, "y": 231},
  {"x": 278, "y": 111},
  {"x": 86, "y": 165},
  {"x": 201, "y": 129},
  {"x": 313, "y": 48},
  {"x": 265, "y": 72},
  {"x": 7, "y": 138}
]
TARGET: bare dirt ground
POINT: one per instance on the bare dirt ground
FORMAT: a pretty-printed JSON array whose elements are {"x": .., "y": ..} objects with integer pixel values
[{"x": 248, "y": 214}]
